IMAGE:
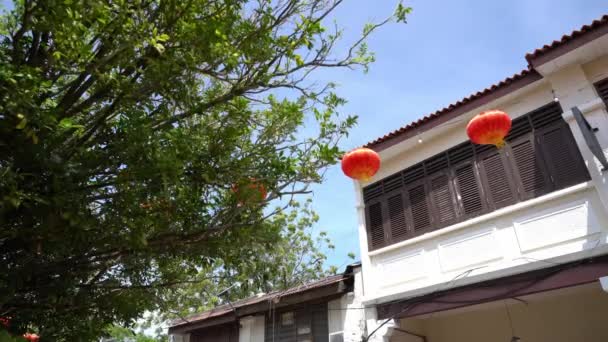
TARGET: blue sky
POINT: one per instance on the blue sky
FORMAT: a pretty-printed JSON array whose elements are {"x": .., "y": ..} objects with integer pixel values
[{"x": 448, "y": 50}]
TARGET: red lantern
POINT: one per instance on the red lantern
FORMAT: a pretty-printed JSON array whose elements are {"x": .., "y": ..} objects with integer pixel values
[
  {"x": 489, "y": 128},
  {"x": 250, "y": 191},
  {"x": 361, "y": 164},
  {"x": 5, "y": 321},
  {"x": 31, "y": 337}
]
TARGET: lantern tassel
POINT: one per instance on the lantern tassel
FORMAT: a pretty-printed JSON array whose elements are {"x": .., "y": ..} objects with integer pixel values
[{"x": 500, "y": 144}]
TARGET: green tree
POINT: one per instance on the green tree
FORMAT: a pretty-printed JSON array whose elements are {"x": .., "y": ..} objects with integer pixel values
[
  {"x": 293, "y": 254},
  {"x": 120, "y": 334},
  {"x": 128, "y": 130}
]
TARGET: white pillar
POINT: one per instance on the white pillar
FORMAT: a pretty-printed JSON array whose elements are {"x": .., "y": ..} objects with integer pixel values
[
  {"x": 345, "y": 315},
  {"x": 366, "y": 264},
  {"x": 179, "y": 337},
  {"x": 574, "y": 89},
  {"x": 377, "y": 329},
  {"x": 251, "y": 329}
]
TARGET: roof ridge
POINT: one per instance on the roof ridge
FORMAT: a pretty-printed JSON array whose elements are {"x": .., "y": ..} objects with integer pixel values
[{"x": 595, "y": 24}]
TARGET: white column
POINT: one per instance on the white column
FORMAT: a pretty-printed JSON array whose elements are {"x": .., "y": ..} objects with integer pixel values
[
  {"x": 179, "y": 338},
  {"x": 367, "y": 279},
  {"x": 383, "y": 331},
  {"x": 345, "y": 315},
  {"x": 251, "y": 329},
  {"x": 574, "y": 89}
]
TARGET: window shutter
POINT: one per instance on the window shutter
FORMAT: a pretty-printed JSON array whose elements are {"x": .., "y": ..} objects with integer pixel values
[
  {"x": 602, "y": 90},
  {"x": 469, "y": 190},
  {"x": 396, "y": 215},
  {"x": 564, "y": 161},
  {"x": 530, "y": 172},
  {"x": 375, "y": 225},
  {"x": 419, "y": 208},
  {"x": 497, "y": 181},
  {"x": 442, "y": 196},
  {"x": 320, "y": 325}
]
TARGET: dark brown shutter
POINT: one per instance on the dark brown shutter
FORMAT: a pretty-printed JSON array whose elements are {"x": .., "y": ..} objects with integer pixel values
[
  {"x": 469, "y": 190},
  {"x": 563, "y": 159},
  {"x": 602, "y": 90},
  {"x": 499, "y": 186},
  {"x": 320, "y": 328},
  {"x": 419, "y": 208},
  {"x": 220, "y": 333},
  {"x": 396, "y": 215},
  {"x": 531, "y": 175},
  {"x": 310, "y": 324},
  {"x": 375, "y": 225},
  {"x": 442, "y": 197}
]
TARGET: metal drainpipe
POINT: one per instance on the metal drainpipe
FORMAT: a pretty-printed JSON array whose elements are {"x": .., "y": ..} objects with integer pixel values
[{"x": 422, "y": 337}]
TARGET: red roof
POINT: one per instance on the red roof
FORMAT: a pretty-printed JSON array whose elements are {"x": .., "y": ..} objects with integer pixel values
[
  {"x": 527, "y": 76},
  {"x": 512, "y": 83},
  {"x": 599, "y": 27}
]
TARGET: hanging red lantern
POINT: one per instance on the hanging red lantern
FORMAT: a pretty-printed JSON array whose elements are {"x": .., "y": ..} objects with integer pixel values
[
  {"x": 6, "y": 321},
  {"x": 31, "y": 337},
  {"x": 361, "y": 164},
  {"x": 489, "y": 128},
  {"x": 250, "y": 191}
]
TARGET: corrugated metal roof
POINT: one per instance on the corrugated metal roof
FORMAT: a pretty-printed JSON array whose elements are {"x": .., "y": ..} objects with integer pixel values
[{"x": 227, "y": 309}]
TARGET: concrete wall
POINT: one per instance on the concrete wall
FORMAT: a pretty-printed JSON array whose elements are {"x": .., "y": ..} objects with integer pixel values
[
  {"x": 345, "y": 313},
  {"x": 577, "y": 314},
  {"x": 564, "y": 225},
  {"x": 252, "y": 329}
]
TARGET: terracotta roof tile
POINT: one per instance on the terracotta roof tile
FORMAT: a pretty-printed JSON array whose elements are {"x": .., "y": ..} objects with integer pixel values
[
  {"x": 596, "y": 24},
  {"x": 537, "y": 57},
  {"x": 413, "y": 125}
]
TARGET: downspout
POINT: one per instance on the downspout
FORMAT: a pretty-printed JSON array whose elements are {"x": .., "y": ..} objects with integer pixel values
[{"x": 422, "y": 337}]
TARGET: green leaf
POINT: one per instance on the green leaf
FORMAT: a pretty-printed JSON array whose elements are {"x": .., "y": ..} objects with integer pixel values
[
  {"x": 298, "y": 60},
  {"x": 159, "y": 47},
  {"x": 22, "y": 123},
  {"x": 66, "y": 123},
  {"x": 162, "y": 38}
]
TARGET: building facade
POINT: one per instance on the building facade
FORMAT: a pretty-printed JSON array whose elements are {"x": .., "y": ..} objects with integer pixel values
[
  {"x": 328, "y": 310},
  {"x": 464, "y": 242}
]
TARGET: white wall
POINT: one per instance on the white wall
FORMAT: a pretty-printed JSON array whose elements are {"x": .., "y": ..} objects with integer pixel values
[
  {"x": 564, "y": 225},
  {"x": 252, "y": 329},
  {"x": 345, "y": 314}
]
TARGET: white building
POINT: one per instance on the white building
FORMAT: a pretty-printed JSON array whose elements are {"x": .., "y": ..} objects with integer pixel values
[{"x": 469, "y": 243}]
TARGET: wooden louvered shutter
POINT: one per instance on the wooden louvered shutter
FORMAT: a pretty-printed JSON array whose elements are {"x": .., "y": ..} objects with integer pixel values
[
  {"x": 441, "y": 194},
  {"x": 469, "y": 190},
  {"x": 497, "y": 181},
  {"x": 561, "y": 154},
  {"x": 530, "y": 172},
  {"x": 320, "y": 327},
  {"x": 375, "y": 225},
  {"x": 443, "y": 200},
  {"x": 602, "y": 90},
  {"x": 398, "y": 230},
  {"x": 419, "y": 208},
  {"x": 395, "y": 227}
]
